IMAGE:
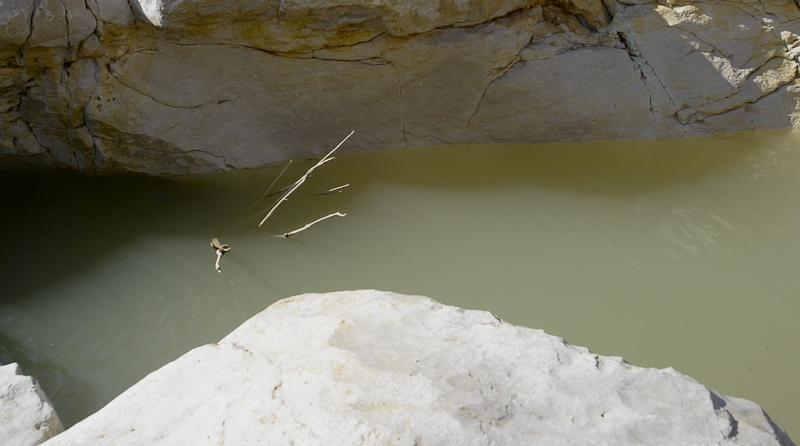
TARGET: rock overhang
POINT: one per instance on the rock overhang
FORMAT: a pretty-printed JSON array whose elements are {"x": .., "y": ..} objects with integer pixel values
[{"x": 177, "y": 87}]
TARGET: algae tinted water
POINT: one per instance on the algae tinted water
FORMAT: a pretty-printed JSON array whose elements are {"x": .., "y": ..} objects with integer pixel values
[{"x": 669, "y": 253}]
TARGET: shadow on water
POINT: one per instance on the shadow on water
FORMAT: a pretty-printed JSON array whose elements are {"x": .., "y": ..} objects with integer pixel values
[
  {"x": 613, "y": 168},
  {"x": 59, "y": 223},
  {"x": 57, "y": 231},
  {"x": 152, "y": 293}
]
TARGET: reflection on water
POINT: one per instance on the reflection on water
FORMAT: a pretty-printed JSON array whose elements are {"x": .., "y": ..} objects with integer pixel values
[{"x": 669, "y": 253}]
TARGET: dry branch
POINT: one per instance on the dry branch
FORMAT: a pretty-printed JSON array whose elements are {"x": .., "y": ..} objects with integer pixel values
[
  {"x": 302, "y": 179},
  {"x": 220, "y": 250},
  {"x": 289, "y": 234},
  {"x": 332, "y": 191},
  {"x": 266, "y": 194}
]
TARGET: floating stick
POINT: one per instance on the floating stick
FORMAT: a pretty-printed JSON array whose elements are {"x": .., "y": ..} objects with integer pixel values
[
  {"x": 266, "y": 194},
  {"x": 221, "y": 250},
  {"x": 302, "y": 179},
  {"x": 332, "y": 191},
  {"x": 289, "y": 234}
]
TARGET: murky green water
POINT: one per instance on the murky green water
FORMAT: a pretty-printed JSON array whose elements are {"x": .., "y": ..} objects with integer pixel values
[{"x": 669, "y": 253}]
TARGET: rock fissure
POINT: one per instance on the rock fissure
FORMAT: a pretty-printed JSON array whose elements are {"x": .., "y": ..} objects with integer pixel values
[
  {"x": 46, "y": 149},
  {"x": 133, "y": 10},
  {"x": 169, "y": 129},
  {"x": 347, "y": 45},
  {"x": 95, "y": 149},
  {"x": 712, "y": 46},
  {"x": 71, "y": 129},
  {"x": 183, "y": 107},
  {"x": 66, "y": 23},
  {"x": 494, "y": 75},
  {"x": 756, "y": 100},
  {"x": 699, "y": 115},
  {"x": 750, "y": 12},
  {"x": 402, "y": 103},
  {"x": 645, "y": 69},
  {"x": 470, "y": 23},
  {"x": 477, "y": 105},
  {"x": 431, "y": 137},
  {"x": 30, "y": 24},
  {"x": 178, "y": 152}
]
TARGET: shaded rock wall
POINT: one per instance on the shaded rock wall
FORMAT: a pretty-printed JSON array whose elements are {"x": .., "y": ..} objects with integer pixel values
[{"x": 182, "y": 86}]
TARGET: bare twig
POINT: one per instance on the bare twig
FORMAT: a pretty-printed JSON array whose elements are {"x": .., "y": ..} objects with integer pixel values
[
  {"x": 216, "y": 264},
  {"x": 332, "y": 191},
  {"x": 302, "y": 179},
  {"x": 289, "y": 234},
  {"x": 266, "y": 194}
]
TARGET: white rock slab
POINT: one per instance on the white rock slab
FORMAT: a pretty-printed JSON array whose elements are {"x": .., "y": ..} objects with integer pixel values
[
  {"x": 26, "y": 414},
  {"x": 371, "y": 367}
]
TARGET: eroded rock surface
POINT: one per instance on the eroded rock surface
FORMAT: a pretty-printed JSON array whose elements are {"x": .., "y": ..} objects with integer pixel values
[
  {"x": 378, "y": 368},
  {"x": 182, "y": 86},
  {"x": 27, "y": 417}
]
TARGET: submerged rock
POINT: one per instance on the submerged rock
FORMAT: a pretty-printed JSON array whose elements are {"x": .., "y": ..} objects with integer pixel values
[
  {"x": 183, "y": 86},
  {"x": 27, "y": 417},
  {"x": 370, "y": 367}
]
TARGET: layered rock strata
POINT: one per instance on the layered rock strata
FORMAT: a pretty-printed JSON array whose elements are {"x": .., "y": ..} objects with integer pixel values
[
  {"x": 377, "y": 368},
  {"x": 27, "y": 417},
  {"x": 182, "y": 86}
]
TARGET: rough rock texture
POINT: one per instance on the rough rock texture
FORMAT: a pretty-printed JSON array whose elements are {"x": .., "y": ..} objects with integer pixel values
[
  {"x": 182, "y": 86},
  {"x": 377, "y": 368},
  {"x": 26, "y": 414}
]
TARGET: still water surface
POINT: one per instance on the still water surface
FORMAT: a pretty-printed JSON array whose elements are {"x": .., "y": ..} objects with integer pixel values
[{"x": 669, "y": 253}]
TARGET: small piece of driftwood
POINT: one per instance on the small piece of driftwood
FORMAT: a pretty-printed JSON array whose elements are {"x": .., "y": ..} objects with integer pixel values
[
  {"x": 289, "y": 234},
  {"x": 220, "y": 250}
]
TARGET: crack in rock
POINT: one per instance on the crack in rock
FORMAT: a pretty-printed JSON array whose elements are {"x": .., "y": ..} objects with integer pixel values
[
  {"x": 694, "y": 114},
  {"x": 179, "y": 107},
  {"x": 66, "y": 23},
  {"x": 70, "y": 130},
  {"x": 402, "y": 103},
  {"x": 645, "y": 70},
  {"x": 495, "y": 74}
]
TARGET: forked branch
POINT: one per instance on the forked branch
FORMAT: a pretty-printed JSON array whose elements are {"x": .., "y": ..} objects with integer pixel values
[{"x": 302, "y": 179}]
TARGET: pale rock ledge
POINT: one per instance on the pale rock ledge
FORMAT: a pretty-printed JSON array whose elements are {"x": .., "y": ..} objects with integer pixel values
[
  {"x": 27, "y": 416},
  {"x": 378, "y": 368}
]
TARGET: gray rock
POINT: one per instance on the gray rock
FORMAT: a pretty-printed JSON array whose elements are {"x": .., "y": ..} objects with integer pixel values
[
  {"x": 620, "y": 105},
  {"x": 15, "y": 22},
  {"x": 377, "y": 368},
  {"x": 26, "y": 415},
  {"x": 186, "y": 86},
  {"x": 49, "y": 25}
]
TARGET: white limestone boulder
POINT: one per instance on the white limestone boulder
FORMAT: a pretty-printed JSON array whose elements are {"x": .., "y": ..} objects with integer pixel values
[
  {"x": 378, "y": 368},
  {"x": 27, "y": 417}
]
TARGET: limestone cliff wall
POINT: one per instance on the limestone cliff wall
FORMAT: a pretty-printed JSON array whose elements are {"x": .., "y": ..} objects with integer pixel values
[{"x": 182, "y": 86}]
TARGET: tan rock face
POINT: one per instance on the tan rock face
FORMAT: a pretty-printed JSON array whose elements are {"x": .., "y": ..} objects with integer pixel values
[
  {"x": 712, "y": 58},
  {"x": 184, "y": 86},
  {"x": 298, "y": 25}
]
